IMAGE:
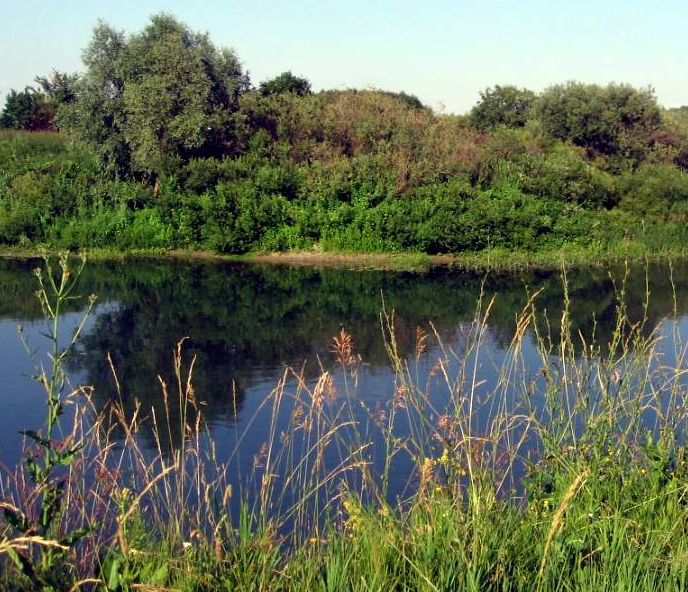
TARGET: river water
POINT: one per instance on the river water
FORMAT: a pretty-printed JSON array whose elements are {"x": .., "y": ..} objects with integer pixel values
[{"x": 244, "y": 325}]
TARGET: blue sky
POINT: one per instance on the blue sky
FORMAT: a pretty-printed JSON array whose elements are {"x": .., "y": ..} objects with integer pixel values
[{"x": 445, "y": 52}]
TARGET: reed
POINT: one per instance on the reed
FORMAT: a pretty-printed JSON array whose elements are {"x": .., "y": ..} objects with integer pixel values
[{"x": 568, "y": 475}]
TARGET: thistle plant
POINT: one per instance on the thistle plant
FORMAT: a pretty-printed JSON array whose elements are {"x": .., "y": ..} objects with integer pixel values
[{"x": 43, "y": 562}]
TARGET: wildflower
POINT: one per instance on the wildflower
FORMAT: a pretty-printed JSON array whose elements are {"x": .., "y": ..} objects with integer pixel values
[
  {"x": 122, "y": 496},
  {"x": 261, "y": 456},
  {"x": 379, "y": 414},
  {"x": 421, "y": 340},
  {"x": 355, "y": 521},
  {"x": 297, "y": 416},
  {"x": 444, "y": 459},
  {"x": 106, "y": 478}
]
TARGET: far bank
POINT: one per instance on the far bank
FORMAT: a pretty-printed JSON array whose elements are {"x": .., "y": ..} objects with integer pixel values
[{"x": 482, "y": 261}]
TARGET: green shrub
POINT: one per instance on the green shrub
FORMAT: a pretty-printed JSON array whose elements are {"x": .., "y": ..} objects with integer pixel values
[
  {"x": 653, "y": 190},
  {"x": 566, "y": 175}
]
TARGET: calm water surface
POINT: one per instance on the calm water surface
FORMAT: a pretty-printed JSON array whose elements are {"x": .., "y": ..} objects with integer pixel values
[{"x": 245, "y": 324}]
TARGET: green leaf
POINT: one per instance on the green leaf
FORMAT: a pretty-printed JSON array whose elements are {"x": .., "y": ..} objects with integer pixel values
[
  {"x": 67, "y": 457},
  {"x": 35, "y": 470},
  {"x": 159, "y": 577},
  {"x": 111, "y": 574},
  {"x": 78, "y": 534},
  {"x": 22, "y": 563}
]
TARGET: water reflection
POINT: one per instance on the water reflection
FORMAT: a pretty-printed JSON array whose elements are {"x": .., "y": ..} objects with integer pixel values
[{"x": 245, "y": 323}]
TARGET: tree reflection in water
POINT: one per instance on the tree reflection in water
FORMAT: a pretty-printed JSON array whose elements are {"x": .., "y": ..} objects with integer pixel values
[{"x": 245, "y": 323}]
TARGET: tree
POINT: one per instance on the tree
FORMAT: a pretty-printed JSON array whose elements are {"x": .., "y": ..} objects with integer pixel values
[
  {"x": 614, "y": 120},
  {"x": 149, "y": 103},
  {"x": 58, "y": 87},
  {"x": 97, "y": 116},
  {"x": 286, "y": 83},
  {"x": 27, "y": 110},
  {"x": 502, "y": 105}
]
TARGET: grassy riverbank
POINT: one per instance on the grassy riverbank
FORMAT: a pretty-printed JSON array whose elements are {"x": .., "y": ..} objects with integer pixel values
[
  {"x": 358, "y": 178},
  {"x": 569, "y": 475},
  {"x": 488, "y": 260}
]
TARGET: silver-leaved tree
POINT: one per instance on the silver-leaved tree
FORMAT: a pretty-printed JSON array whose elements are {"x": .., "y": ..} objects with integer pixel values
[{"x": 149, "y": 102}]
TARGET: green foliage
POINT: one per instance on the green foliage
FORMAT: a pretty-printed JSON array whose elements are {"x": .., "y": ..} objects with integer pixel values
[
  {"x": 615, "y": 120},
  {"x": 149, "y": 103},
  {"x": 46, "y": 567},
  {"x": 285, "y": 83},
  {"x": 26, "y": 110},
  {"x": 515, "y": 197},
  {"x": 655, "y": 190},
  {"x": 174, "y": 151},
  {"x": 408, "y": 99},
  {"x": 502, "y": 105},
  {"x": 58, "y": 87},
  {"x": 563, "y": 174}
]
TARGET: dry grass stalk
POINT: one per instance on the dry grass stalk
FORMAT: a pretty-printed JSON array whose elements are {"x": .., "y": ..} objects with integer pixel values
[{"x": 558, "y": 520}]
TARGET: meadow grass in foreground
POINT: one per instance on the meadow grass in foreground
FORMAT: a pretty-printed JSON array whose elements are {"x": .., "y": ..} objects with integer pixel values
[{"x": 576, "y": 481}]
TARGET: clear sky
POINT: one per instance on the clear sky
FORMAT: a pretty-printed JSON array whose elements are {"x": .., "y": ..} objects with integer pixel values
[{"x": 443, "y": 51}]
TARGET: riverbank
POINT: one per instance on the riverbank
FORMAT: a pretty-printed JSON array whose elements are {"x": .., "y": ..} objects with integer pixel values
[
  {"x": 489, "y": 260},
  {"x": 274, "y": 210}
]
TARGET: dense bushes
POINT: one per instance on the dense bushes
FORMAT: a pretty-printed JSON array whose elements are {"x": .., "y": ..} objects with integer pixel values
[
  {"x": 504, "y": 195},
  {"x": 220, "y": 166},
  {"x": 660, "y": 190}
]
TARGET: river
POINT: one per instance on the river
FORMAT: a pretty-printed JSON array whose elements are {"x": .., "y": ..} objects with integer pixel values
[{"x": 244, "y": 325}]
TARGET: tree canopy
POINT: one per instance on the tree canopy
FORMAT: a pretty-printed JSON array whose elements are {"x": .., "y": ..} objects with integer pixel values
[
  {"x": 58, "y": 87},
  {"x": 150, "y": 102},
  {"x": 502, "y": 105},
  {"x": 27, "y": 109},
  {"x": 611, "y": 120},
  {"x": 286, "y": 83}
]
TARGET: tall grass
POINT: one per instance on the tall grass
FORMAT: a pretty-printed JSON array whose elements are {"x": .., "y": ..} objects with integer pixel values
[{"x": 570, "y": 474}]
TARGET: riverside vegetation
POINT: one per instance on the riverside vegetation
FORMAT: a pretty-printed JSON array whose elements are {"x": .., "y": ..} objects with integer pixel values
[
  {"x": 576, "y": 478},
  {"x": 164, "y": 144}
]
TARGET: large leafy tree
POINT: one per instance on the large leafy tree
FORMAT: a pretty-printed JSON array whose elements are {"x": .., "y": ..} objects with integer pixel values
[
  {"x": 613, "y": 120},
  {"x": 502, "y": 105},
  {"x": 97, "y": 116},
  {"x": 150, "y": 102}
]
